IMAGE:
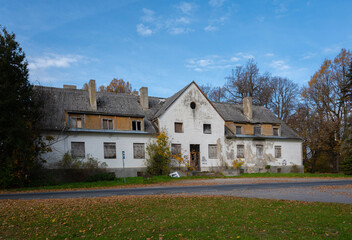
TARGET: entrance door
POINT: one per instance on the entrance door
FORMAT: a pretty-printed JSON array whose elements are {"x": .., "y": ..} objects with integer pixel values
[{"x": 195, "y": 156}]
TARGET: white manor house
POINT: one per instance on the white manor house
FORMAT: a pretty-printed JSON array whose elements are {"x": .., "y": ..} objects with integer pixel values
[{"x": 210, "y": 134}]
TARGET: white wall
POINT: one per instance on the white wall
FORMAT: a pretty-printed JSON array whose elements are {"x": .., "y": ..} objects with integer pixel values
[
  {"x": 193, "y": 120},
  {"x": 291, "y": 151},
  {"x": 94, "y": 145}
]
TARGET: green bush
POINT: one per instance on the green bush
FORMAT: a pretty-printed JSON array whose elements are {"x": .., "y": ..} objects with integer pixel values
[{"x": 101, "y": 177}]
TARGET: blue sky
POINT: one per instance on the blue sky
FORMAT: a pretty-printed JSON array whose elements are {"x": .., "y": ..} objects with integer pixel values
[{"x": 165, "y": 45}]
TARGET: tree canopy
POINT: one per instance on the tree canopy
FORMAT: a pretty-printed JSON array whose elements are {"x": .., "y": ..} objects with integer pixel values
[{"x": 19, "y": 113}]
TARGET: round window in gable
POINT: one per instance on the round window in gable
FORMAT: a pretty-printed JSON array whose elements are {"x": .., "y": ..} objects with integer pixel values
[{"x": 193, "y": 105}]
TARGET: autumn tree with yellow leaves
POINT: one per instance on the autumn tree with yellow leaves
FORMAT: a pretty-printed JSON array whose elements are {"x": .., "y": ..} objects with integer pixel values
[{"x": 322, "y": 117}]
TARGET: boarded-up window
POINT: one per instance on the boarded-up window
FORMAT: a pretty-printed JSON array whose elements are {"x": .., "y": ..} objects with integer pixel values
[
  {"x": 260, "y": 153},
  {"x": 240, "y": 151},
  {"x": 207, "y": 128},
  {"x": 138, "y": 150},
  {"x": 238, "y": 130},
  {"x": 277, "y": 151},
  {"x": 136, "y": 125},
  {"x": 107, "y": 124},
  {"x": 257, "y": 130},
  {"x": 75, "y": 122},
  {"x": 276, "y": 131},
  {"x": 110, "y": 150},
  {"x": 212, "y": 151},
  {"x": 178, "y": 127},
  {"x": 78, "y": 150},
  {"x": 175, "y": 149}
]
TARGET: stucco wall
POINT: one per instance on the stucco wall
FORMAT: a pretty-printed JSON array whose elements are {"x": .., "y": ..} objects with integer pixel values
[
  {"x": 94, "y": 145},
  {"x": 193, "y": 120}
]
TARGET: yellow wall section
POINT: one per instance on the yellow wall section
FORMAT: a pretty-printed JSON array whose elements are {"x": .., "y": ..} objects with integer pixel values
[
  {"x": 95, "y": 121},
  {"x": 123, "y": 123},
  {"x": 267, "y": 129}
]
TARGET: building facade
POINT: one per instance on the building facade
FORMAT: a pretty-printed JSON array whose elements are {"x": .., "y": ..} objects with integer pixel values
[{"x": 108, "y": 126}]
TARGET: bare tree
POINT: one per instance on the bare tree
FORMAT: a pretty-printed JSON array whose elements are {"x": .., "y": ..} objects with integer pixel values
[
  {"x": 205, "y": 88},
  {"x": 283, "y": 97},
  {"x": 217, "y": 94},
  {"x": 246, "y": 81}
]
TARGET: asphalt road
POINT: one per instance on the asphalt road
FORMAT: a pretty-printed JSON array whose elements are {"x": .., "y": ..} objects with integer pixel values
[{"x": 324, "y": 191}]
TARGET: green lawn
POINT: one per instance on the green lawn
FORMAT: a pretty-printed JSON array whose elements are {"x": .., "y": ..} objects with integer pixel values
[
  {"x": 173, "y": 217},
  {"x": 164, "y": 179}
]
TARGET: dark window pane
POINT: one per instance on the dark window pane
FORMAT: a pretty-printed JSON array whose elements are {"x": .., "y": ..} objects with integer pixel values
[
  {"x": 207, "y": 128},
  {"x": 78, "y": 150}
]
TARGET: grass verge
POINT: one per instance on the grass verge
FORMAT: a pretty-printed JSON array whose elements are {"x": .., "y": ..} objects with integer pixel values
[
  {"x": 173, "y": 217},
  {"x": 164, "y": 179}
]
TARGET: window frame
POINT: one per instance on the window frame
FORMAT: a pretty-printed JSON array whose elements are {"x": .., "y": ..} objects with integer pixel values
[
  {"x": 214, "y": 155},
  {"x": 280, "y": 151},
  {"x": 108, "y": 120},
  {"x": 176, "y": 146},
  {"x": 107, "y": 144},
  {"x": 278, "y": 131},
  {"x": 206, "y": 131},
  {"x": 180, "y": 124},
  {"x": 137, "y": 123},
  {"x": 134, "y": 151},
  {"x": 74, "y": 122},
  {"x": 241, "y": 130},
  {"x": 74, "y": 152},
  {"x": 260, "y": 130},
  {"x": 238, "y": 152},
  {"x": 260, "y": 154}
]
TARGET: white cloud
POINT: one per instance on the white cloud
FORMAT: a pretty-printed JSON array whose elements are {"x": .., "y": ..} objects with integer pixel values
[
  {"x": 269, "y": 54},
  {"x": 210, "y": 28},
  {"x": 144, "y": 30},
  {"x": 148, "y": 15},
  {"x": 210, "y": 62},
  {"x": 279, "y": 65},
  {"x": 183, "y": 20},
  {"x": 234, "y": 59},
  {"x": 178, "y": 30},
  {"x": 53, "y": 60},
  {"x": 333, "y": 49},
  {"x": 245, "y": 55},
  {"x": 186, "y": 7},
  {"x": 216, "y": 3}
]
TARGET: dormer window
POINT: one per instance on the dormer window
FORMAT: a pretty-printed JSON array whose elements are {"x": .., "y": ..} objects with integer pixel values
[
  {"x": 76, "y": 122},
  {"x": 136, "y": 125},
  {"x": 238, "y": 130},
  {"x": 108, "y": 124},
  {"x": 275, "y": 131},
  {"x": 257, "y": 130}
]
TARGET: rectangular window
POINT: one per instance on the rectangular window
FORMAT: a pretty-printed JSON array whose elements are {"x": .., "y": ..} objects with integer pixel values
[
  {"x": 108, "y": 124},
  {"x": 260, "y": 153},
  {"x": 240, "y": 151},
  {"x": 238, "y": 130},
  {"x": 175, "y": 149},
  {"x": 78, "y": 150},
  {"x": 277, "y": 151},
  {"x": 178, "y": 127},
  {"x": 110, "y": 150},
  {"x": 212, "y": 151},
  {"x": 207, "y": 128},
  {"x": 257, "y": 130},
  {"x": 136, "y": 125},
  {"x": 276, "y": 131},
  {"x": 138, "y": 151},
  {"x": 76, "y": 122}
]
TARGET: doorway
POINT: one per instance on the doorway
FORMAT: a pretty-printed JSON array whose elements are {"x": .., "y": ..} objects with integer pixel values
[{"x": 195, "y": 157}]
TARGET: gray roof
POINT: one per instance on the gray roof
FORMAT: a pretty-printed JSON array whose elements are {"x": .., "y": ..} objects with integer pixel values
[
  {"x": 170, "y": 101},
  {"x": 59, "y": 100}
]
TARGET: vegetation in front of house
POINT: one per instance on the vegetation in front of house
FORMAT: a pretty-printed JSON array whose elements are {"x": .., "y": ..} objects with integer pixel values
[
  {"x": 158, "y": 155},
  {"x": 107, "y": 180},
  {"x": 173, "y": 217}
]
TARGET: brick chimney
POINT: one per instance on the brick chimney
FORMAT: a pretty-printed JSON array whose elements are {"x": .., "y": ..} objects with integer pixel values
[
  {"x": 92, "y": 94},
  {"x": 247, "y": 107},
  {"x": 143, "y": 97}
]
